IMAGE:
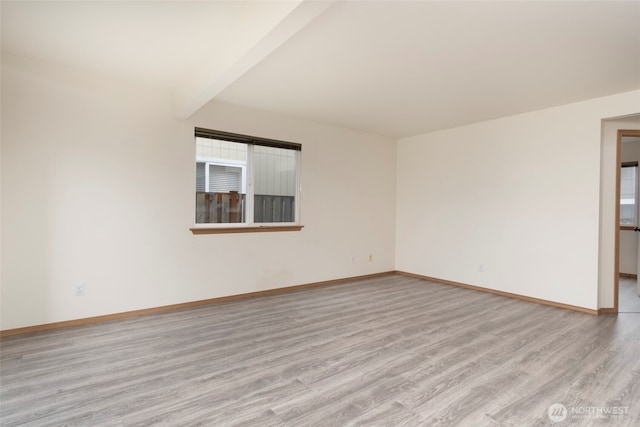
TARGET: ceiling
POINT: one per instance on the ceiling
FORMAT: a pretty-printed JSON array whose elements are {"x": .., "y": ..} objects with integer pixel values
[{"x": 391, "y": 68}]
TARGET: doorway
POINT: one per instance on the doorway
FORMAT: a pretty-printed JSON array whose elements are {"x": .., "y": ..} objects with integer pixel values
[{"x": 627, "y": 290}]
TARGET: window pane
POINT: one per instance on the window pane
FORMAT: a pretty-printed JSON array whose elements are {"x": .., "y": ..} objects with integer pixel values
[
  {"x": 628, "y": 195},
  {"x": 274, "y": 176},
  {"x": 220, "y": 181},
  {"x": 200, "y": 177}
]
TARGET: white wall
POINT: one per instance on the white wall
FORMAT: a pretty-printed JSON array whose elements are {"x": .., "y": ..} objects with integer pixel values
[
  {"x": 630, "y": 152},
  {"x": 98, "y": 188},
  {"x": 519, "y": 196}
]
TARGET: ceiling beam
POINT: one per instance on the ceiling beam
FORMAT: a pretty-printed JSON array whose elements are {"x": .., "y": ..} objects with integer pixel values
[{"x": 206, "y": 84}]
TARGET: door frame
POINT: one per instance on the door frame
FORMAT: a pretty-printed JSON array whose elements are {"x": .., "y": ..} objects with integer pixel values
[{"x": 616, "y": 270}]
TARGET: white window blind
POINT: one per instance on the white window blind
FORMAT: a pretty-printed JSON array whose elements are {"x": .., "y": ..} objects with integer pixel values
[{"x": 223, "y": 179}]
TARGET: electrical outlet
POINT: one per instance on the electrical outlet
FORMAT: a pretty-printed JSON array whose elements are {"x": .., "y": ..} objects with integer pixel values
[
  {"x": 370, "y": 257},
  {"x": 353, "y": 259},
  {"x": 480, "y": 268},
  {"x": 78, "y": 290}
]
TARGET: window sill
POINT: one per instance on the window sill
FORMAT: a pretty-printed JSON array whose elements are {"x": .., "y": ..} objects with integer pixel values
[
  {"x": 252, "y": 229},
  {"x": 628, "y": 227}
]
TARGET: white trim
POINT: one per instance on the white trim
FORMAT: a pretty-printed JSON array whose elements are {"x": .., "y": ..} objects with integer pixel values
[
  {"x": 250, "y": 188},
  {"x": 298, "y": 193},
  {"x": 634, "y": 201}
]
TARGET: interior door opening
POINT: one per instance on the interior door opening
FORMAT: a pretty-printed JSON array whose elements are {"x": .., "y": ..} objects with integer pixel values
[{"x": 627, "y": 287}]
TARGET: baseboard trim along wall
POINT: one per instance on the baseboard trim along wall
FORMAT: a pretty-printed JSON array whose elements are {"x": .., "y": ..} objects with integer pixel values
[
  {"x": 504, "y": 294},
  {"x": 142, "y": 312}
]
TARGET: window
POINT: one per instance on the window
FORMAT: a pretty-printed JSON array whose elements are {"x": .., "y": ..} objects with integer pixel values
[
  {"x": 629, "y": 194},
  {"x": 245, "y": 181}
]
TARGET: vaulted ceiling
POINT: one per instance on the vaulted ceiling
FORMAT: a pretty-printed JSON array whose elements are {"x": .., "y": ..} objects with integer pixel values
[{"x": 392, "y": 68}]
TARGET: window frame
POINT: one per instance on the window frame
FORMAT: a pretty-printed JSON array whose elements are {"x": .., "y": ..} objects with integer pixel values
[
  {"x": 248, "y": 184},
  {"x": 623, "y": 165}
]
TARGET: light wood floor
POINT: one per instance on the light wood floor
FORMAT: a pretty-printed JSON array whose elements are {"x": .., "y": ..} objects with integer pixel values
[
  {"x": 628, "y": 299},
  {"x": 387, "y": 351}
]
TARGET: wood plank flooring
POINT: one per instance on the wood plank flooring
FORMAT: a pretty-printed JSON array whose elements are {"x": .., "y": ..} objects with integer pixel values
[{"x": 388, "y": 351}]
